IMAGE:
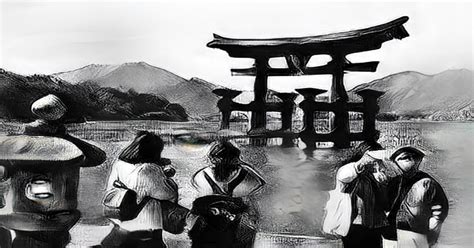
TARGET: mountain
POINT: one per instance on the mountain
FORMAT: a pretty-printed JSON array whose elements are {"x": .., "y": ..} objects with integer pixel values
[
  {"x": 84, "y": 101},
  {"x": 140, "y": 76},
  {"x": 195, "y": 95},
  {"x": 444, "y": 96},
  {"x": 145, "y": 78}
]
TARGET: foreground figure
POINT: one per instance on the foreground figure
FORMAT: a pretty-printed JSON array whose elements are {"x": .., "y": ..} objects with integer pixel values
[
  {"x": 365, "y": 180},
  {"x": 140, "y": 170},
  {"x": 227, "y": 221},
  {"x": 418, "y": 203}
]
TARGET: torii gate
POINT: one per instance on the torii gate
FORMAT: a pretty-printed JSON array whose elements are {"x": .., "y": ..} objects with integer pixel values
[{"x": 297, "y": 52}]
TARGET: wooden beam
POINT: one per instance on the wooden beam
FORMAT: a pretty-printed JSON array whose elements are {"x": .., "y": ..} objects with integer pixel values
[
  {"x": 318, "y": 70},
  {"x": 367, "y": 66}
]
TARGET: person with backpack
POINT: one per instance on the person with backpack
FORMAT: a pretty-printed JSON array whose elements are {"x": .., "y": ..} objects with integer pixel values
[
  {"x": 224, "y": 187},
  {"x": 418, "y": 203},
  {"x": 140, "y": 189},
  {"x": 227, "y": 174}
]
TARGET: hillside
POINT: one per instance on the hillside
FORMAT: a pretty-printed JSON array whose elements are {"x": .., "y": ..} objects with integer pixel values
[
  {"x": 195, "y": 95},
  {"x": 84, "y": 101},
  {"x": 444, "y": 96},
  {"x": 145, "y": 78}
]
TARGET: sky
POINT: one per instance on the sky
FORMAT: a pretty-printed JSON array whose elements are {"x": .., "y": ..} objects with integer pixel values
[{"x": 46, "y": 37}]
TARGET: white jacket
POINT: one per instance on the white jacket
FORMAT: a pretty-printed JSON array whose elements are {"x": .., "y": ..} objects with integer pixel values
[{"x": 147, "y": 179}]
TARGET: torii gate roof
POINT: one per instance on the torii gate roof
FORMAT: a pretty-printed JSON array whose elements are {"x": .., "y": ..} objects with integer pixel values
[{"x": 343, "y": 42}]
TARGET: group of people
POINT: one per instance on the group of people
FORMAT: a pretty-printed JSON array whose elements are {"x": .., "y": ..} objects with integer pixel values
[
  {"x": 142, "y": 190},
  {"x": 406, "y": 210}
]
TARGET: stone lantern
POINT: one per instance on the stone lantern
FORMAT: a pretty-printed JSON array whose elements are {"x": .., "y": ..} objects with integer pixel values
[{"x": 42, "y": 166}]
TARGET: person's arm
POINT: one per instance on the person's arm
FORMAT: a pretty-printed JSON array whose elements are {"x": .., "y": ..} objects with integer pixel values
[
  {"x": 154, "y": 183},
  {"x": 256, "y": 181},
  {"x": 347, "y": 173},
  {"x": 439, "y": 212},
  {"x": 112, "y": 177},
  {"x": 350, "y": 171},
  {"x": 441, "y": 204}
]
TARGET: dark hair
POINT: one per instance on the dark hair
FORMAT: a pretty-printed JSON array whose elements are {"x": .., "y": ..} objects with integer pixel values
[
  {"x": 145, "y": 148},
  {"x": 224, "y": 152}
]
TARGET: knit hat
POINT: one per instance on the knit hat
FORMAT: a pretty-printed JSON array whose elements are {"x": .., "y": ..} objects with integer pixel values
[{"x": 409, "y": 149}]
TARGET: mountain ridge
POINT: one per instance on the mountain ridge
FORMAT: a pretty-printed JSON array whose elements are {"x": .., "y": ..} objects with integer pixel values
[
  {"x": 443, "y": 96},
  {"x": 145, "y": 78},
  {"x": 85, "y": 101},
  {"x": 408, "y": 94}
]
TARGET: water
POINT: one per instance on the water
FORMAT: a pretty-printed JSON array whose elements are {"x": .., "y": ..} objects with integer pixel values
[{"x": 297, "y": 181}]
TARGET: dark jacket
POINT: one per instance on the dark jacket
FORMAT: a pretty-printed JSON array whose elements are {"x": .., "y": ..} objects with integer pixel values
[
  {"x": 412, "y": 200},
  {"x": 368, "y": 196}
]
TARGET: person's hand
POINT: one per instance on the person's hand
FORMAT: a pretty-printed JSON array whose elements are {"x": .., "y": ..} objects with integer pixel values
[
  {"x": 434, "y": 227},
  {"x": 363, "y": 162},
  {"x": 434, "y": 224},
  {"x": 3, "y": 173},
  {"x": 169, "y": 171},
  {"x": 436, "y": 211},
  {"x": 381, "y": 177}
]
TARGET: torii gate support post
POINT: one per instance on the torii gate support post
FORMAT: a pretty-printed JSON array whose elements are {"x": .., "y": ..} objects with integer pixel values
[
  {"x": 226, "y": 104},
  {"x": 308, "y": 134},
  {"x": 338, "y": 95},
  {"x": 287, "y": 107},
  {"x": 259, "y": 116},
  {"x": 370, "y": 110}
]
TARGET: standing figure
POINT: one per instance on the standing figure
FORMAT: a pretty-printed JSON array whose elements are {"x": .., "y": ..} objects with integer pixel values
[
  {"x": 228, "y": 175},
  {"x": 365, "y": 180},
  {"x": 141, "y": 169},
  {"x": 43, "y": 166},
  {"x": 418, "y": 203},
  {"x": 227, "y": 220}
]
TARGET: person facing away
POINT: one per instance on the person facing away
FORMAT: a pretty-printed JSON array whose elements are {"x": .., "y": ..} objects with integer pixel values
[
  {"x": 140, "y": 168},
  {"x": 365, "y": 180},
  {"x": 227, "y": 174},
  {"x": 419, "y": 205},
  {"x": 226, "y": 219}
]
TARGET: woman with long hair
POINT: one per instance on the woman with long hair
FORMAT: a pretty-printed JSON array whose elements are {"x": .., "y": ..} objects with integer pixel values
[{"x": 141, "y": 169}]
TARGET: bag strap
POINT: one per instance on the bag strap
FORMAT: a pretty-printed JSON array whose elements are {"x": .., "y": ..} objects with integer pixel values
[
  {"x": 119, "y": 184},
  {"x": 351, "y": 188},
  {"x": 215, "y": 188},
  {"x": 234, "y": 183}
]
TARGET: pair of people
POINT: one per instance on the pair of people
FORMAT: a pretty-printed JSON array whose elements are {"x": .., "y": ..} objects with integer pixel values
[
  {"x": 407, "y": 210},
  {"x": 216, "y": 214}
]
